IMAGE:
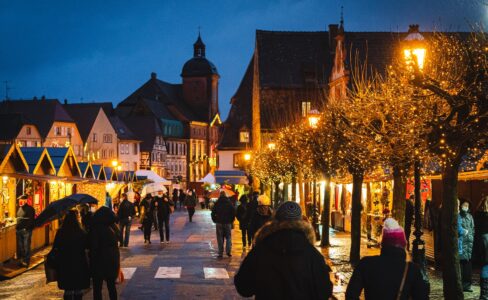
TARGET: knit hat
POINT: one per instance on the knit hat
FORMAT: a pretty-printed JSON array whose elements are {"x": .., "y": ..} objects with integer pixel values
[
  {"x": 393, "y": 234},
  {"x": 289, "y": 211},
  {"x": 264, "y": 200}
]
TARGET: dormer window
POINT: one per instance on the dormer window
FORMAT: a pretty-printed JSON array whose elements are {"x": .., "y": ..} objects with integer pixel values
[{"x": 244, "y": 135}]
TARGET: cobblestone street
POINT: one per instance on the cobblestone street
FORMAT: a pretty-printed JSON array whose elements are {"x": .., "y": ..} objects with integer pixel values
[{"x": 188, "y": 268}]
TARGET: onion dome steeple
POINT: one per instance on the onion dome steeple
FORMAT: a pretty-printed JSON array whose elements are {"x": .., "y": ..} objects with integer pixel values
[{"x": 199, "y": 47}]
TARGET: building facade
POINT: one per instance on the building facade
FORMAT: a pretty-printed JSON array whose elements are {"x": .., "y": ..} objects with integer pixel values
[
  {"x": 186, "y": 114},
  {"x": 129, "y": 152},
  {"x": 15, "y": 129}
]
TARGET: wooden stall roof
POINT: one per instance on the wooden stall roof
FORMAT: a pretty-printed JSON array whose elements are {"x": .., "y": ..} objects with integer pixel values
[
  {"x": 39, "y": 161},
  {"x": 12, "y": 160},
  {"x": 64, "y": 161}
]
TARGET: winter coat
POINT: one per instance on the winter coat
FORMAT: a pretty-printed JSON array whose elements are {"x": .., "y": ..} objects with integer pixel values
[
  {"x": 103, "y": 245},
  {"x": 190, "y": 201},
  {"x": 481, "y": 225},
  {"x": 145, "y": 207},
  {"x": 380, "y": 276},
  {"x": 262, "y": 215},
  {"x": 126, "y": 210},
  {"x": 71, "y": 260},
  {"x": 163, "y": 209},
  {"x": 284, "y": 264},
  {"x": 25, "y": 217},
  {"x": 223, "y": 212},
  {"x": 251, "y": 208},
  {"x": 241, "y": 215},
  {"x": 465, "y": 235}
]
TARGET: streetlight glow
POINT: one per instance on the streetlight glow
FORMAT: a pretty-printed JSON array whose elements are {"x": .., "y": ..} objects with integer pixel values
[
  {"x": 271, "y": 146},
  {"x": 313, "y": 118},
  {"x": 114, "y": 163},
  {"x": 414, "y": 51},
  {"x": 247, "y": 156}
]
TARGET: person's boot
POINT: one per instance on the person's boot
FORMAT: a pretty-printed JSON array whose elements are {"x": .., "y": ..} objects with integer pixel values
[{"x": 484, "y": 289}]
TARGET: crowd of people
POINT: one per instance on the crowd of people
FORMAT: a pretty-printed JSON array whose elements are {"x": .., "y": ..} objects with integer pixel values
[{"x": 282, "y": 261}]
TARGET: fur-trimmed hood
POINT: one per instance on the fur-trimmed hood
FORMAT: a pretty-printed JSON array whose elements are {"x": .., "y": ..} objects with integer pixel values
[{"x": 274, "y": 226}]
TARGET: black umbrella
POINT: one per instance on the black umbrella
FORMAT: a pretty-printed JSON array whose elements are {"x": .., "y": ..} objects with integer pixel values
[{"x": 56, "y": 209}]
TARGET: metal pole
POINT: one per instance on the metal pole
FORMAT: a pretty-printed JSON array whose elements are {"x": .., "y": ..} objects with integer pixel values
[{"x": 418, "y": 251}]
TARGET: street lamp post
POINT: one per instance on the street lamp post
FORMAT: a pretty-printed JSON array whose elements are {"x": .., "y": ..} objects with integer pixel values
[
  {"x": 414, "y": 54},
  {"x": 313, "y": 119}
]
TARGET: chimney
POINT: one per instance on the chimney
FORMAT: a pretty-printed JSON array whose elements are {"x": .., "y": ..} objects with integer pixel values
[
  {"x": 43, "y": 98},
  {"x": 154, "y": 75},
  {"x": 333, "y": 31},
  {"x": 65, "y": 101},
  {"x": 35, "y": 98}
]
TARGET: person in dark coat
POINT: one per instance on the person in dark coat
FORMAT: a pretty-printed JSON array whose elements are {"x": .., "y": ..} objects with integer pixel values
[
  {"x": 223, "y": 215},
  {"x": 381, "y": 275},
  {"x": 146, "y": 217},
  {"x": 163, "y": 208},
  {"x": 465, "y": 240},
  {"x": 262, "y": 215},
  {"x": 25, "y": 224},
  {"x": 409, "y": 214},
  {"x": 86, "y": 213},
  {"x": 175, "y": 196},
  {"x": 125, "y": 213},
  {"x": 104, "y": 252},
  {"x": 481, "y": 222},
  {"x": 71, "y": 243},
  {"x": 284, "y": 263},
  {"x": 243, "y": 218},
  {"x": 190, "y": 203},
  {"x": 182, "y": 197}
]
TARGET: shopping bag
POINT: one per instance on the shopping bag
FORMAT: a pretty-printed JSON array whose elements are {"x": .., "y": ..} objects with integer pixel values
[{"x": 120, "y": 277}]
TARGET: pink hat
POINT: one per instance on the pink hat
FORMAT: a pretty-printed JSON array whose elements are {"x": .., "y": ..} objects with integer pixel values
[{"x": 393, "y": 234}]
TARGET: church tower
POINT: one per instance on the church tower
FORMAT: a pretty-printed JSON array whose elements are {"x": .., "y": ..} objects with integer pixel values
[{"x": 201, "y": 83}]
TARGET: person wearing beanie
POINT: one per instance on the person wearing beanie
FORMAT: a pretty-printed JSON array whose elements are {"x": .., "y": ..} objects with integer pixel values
[
  {"x": 262, "y": 215},
  {"x": 284, "y": 264},
  {"x": 388, "y": 275}
]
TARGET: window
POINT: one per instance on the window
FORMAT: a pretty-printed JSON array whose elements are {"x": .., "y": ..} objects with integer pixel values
[
  {"x": 136, "y": 150},
  {"x": 244, "y": 137},
  {"x": 28, "y": 130},
  {"x": 134, "y": 166},
  {"x": 104, "y": 153},
  {"x": 94, "y": 138},
  {"x": 306, "y": 108},
  {"x": 107, "y": 138},
  {"x": 111, "y": 153},
  {"x": 57, "y": 131},
  {"x": 68, "y": 130}
]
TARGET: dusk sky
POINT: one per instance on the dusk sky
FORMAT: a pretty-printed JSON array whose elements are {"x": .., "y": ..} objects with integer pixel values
[{"x": 104, "y": 50}]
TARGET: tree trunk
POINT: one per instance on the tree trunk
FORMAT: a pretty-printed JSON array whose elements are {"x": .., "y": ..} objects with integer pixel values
[
  {"x": 451, "y": 273},
  {"x": 276, "y": 194},
  {"x": 300, "y": 191},
  {"x": 369, "y": 206},
  {"x": 357, "y": 183},
  {"x": 326, "y": 214},
  {"x": 294, "y": 188},
  {"x": 399, "y": 194}
]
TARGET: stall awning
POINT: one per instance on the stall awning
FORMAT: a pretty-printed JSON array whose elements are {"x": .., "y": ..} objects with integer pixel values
[{"x": 231, "y": 177}]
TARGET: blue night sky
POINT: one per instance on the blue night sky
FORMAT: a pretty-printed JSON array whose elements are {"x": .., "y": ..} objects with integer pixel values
[{"x": 104, "y": 50}]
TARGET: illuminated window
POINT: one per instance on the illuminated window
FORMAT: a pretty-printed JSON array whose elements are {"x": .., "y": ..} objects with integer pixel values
[
  {"x": 306, "y": 108},
  {"x": 244, "y": 137}
]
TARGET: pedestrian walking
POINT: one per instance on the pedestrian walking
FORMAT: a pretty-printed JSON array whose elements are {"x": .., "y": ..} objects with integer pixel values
[
  {"x": 481, "y": 222},
  {"x": 25, "y": 224},
  {"x": 223, "y": 215},
  {"x": 201, "y": 201},
  {"x": 181, "y": 198},
  {"x": 86, "y": 213},
  {"x": 284, "y": 263},
  {"x": 243, "y": 219},
  {"x": 207, "y": 200},
  {"x": 163, "y": 207},
  {"x": 388, "y": 275},
  {"x": 262, "y": 214},
  {"x": 71, "y": 264},
  {"x": 466, "y": 238},
  {"x": 104, "y": 253},
  {"x": 146, "y": 217},
  {"x": 190, "y": 203},
  {"x": 175, "y": 196},
  {"x": 108, "y": 201},
  {"x": 125, "y": 213},
  {"x": 137, "y": 202}
]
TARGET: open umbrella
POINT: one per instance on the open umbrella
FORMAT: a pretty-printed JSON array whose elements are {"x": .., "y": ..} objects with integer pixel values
[
  {"x": 56, "y": 209},
  {"x": 216, "y": 193},
  {"x": 153, "y": 188}
]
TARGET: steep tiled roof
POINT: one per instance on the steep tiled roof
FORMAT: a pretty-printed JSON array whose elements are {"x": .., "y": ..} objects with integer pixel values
[
  {"x": 146, "y": 128},
  {"x": 43, "y": 113},
  {"x": 123, "y": 132},
  {"x": 285, "y": 57},
  {"x": 10, "y": 125},
  {"x": 163, "y": 99},
  {"x": 85, "y": 116},
  {"x": 240, "y": 113}
]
